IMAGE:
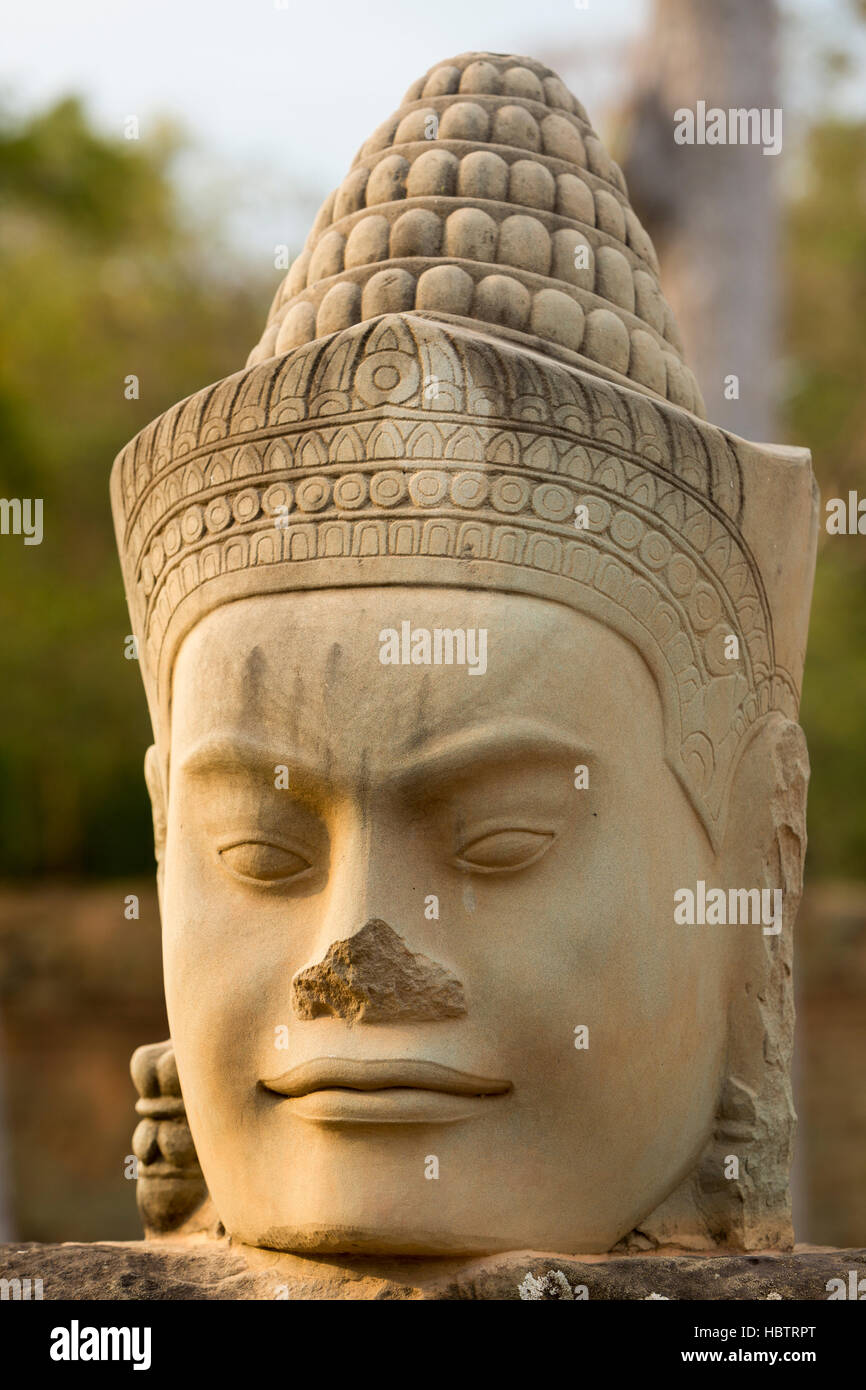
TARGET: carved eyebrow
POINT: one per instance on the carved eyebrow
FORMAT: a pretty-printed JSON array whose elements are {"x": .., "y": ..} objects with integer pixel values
[
  {"x": 440, "y": 758},
  {"x": 489, "y": 743},
  {"x": 233, "y": 753}
]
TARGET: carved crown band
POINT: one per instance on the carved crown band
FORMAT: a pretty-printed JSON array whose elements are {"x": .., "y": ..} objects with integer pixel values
[{"x": 406, "y": 452}]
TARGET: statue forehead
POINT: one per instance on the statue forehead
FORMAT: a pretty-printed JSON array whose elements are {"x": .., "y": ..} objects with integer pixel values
[{"x": 304, "y": 663}]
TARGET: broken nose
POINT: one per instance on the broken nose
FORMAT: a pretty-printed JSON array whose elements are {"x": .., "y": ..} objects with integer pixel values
[{"x": 374, "y": 977}]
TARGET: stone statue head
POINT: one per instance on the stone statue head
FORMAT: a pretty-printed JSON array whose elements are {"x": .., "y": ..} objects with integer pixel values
[{"x": 473, "y": 654}]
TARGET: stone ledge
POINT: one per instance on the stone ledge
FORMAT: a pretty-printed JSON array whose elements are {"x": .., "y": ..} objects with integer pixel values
[{"x": 217, "y": 1270}]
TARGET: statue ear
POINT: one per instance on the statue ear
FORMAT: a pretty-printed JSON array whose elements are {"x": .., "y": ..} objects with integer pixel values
[
  {"x": 755, "y": 1117},
  {"x": 764, "y": 847},
  {"x": 767, "y": 817},
  {"x": 156, "y": 791}
]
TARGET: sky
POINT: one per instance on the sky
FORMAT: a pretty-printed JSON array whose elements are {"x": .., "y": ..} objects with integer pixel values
[
  {"x": 279, "y": 94},
  {"x": 299, "y": 77}
]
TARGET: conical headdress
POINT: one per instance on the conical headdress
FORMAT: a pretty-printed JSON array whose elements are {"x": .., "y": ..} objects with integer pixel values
[
  {"x": 488, "y": 200},
  {"x": 470, "y": 377}
]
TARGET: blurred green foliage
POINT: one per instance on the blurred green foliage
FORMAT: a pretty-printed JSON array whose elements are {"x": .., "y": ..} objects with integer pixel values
[
  {"x": 105, "y": 273},
  {"x": 102, "y": 274},
  {"x": 825, "y": 345}
]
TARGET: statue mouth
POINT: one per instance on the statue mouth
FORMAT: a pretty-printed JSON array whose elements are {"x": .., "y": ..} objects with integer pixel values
[
  {"x": 339, "y": 1073},
  {"x": 337, "y": 1090}
]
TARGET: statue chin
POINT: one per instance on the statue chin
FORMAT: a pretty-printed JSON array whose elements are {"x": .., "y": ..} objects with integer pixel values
[{"x": 473, "y": 655}]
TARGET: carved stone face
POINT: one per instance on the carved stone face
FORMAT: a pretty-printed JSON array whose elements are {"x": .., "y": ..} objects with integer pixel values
[{"x": 387, "y": 908}]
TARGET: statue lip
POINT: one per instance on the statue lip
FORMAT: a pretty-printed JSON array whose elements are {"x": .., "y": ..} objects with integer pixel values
[{"x": 354, "y": 1074}]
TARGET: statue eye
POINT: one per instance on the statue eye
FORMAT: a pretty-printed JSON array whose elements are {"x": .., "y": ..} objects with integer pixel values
[
  {"x": 262, "y": 862},
  {"x": 504, "y": 850}
]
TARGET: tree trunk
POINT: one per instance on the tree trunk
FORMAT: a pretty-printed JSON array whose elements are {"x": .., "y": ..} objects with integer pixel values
[{"x": 712, "y": 209}]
